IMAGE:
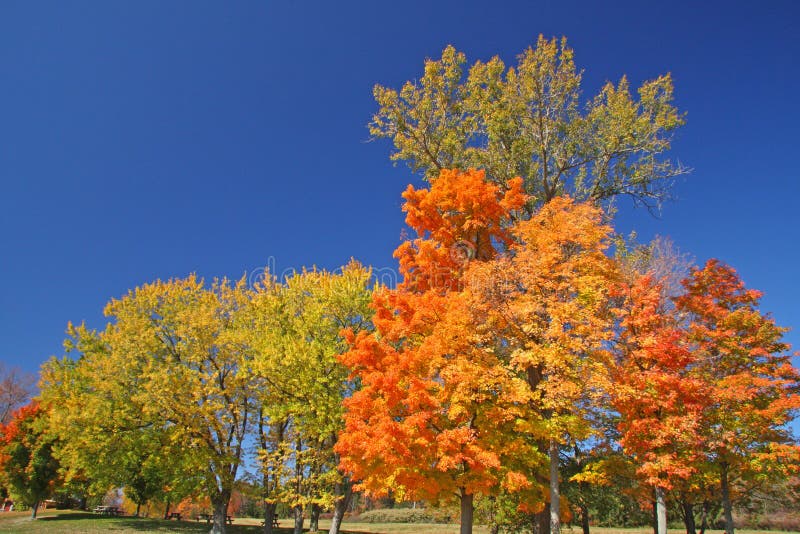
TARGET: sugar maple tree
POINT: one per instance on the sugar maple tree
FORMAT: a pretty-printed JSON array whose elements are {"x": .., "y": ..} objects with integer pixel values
[
  {"x": 659, "y": 400},
  {"x": 751, "y": 385},
  {"x": 434, "y": 414},
  {"x": 548, "y": 299}
]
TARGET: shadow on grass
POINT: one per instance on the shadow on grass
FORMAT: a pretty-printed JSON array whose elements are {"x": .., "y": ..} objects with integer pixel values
[
  {"x": 71, "y": 516},
  {"x": 161, "y": 525}
]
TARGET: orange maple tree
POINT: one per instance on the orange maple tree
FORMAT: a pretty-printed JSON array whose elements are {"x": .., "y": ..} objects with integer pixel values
[
  {"x": 749, "y": 381},
  {"x": 548, "y": 298},
  {"x": 659, "y": 400},
  {"x": 434, "y": 414},
  {"x": 27, "y": 465}
]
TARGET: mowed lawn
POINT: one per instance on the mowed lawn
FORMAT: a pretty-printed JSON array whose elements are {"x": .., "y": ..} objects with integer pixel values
[{"x": 69, "y": 522}]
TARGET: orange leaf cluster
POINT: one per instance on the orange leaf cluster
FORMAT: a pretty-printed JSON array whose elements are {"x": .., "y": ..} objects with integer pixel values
[
  {"x": 508, "y": 338},
  {"x": 430, "y": 418},
  {"x": 461, "y": 217},
  {"x": 706, "y": 381}
]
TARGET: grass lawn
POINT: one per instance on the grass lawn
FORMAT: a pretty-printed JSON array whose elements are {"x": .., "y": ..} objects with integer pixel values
[{"x": 69, "y": 522}]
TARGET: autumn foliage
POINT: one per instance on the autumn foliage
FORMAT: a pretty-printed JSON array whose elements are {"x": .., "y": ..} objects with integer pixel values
[
  {"x": 660, "y": 403},
  {"x": 428, "y": 420},
  {"x": 528, "y": 356},
  {"x": 27, "y": 465},
  {"x": 514, "y": 341},
  {"x": 510, "y": 339}
]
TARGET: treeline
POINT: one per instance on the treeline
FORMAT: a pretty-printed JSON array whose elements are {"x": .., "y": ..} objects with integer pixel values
[{"x": 531, "y": 366}]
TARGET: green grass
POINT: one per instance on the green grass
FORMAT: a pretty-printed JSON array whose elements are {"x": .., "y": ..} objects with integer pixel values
[{"x": 69, "y": 522}]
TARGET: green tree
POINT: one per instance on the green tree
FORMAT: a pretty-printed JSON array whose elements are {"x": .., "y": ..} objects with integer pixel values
[
  {"x": 27, "y": 465},
  {"x": 529, "y": 121},
  {"x": 170, "y": 378},
  {"x": 105, "y": 440},
  {"x": 297, "y": 337}
]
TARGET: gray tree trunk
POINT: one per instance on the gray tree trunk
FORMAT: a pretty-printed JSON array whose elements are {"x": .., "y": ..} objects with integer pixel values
[
  {"x": 34, "y": 509},
  {"x": 726, "y": 499},
  {"x": 555, "y": 491},
  {"x": 654, "y": 518},
  {"x": 220, "y": 513},
  {"x": 313, "y": 522},
  {"x": 269, "y": 516},
  {"x": 345, "y": 489},
  {"x": 661, "y": 511},
  {"x": 298, "y": 519}
]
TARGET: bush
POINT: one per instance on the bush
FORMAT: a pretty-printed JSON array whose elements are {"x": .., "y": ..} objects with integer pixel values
[
  {"x": 786, "y": 521},
  {"x": 404, "y": 515}
]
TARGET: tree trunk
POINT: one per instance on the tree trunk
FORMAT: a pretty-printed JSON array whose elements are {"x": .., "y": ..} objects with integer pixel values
[
  {"x": 345, "y": 489},
  {"x": 166, "y": 510},
  {"x": 688, "y": 516},
  {"x": 661, "y": 511},
  {"x": 138, "y": 508},
  {"x": 584, "y": 517},
  {"x": 704, "y": 517},
  {"x": 655, "y": 515},
  {"x": 220, "y": 513},
  {"x": 34, "y": 509},
  {"x": 494, "y": 526},
  {"x": 313, "y": 522},
  {"x": 269, "y": 516},
  {"x": 541, "y": 520},
  {"x": 555, "y": 491},
  {"x": 726, "y": 499},
  {"x": 466, "y": 512},
  {"x": 298, "y": 519}
]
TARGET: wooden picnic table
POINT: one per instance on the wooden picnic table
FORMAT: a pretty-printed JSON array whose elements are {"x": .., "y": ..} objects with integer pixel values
[
  {"x": 209, "y": 517},
  {"x": 107, "y": 510},
  {"x": 274, "y": 522},
  {"x": 175, "y": 515}
]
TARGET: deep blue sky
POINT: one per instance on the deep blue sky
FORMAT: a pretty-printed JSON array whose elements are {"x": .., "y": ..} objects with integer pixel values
[{"x": 143, "y": 140}]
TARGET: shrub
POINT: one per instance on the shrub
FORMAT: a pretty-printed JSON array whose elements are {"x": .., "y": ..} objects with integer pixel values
[{"x": 786, "y": 521}]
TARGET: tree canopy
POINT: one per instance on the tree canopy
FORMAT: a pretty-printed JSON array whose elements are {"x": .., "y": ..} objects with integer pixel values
[{"x": 529, "y": 121}]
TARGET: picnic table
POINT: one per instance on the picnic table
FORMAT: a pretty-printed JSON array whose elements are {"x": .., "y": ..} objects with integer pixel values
[
  {"x": 274, "y": 522},
  {"x": 209, "y": 517},
  {"x": 174, "y": 515},
  {"x": 107, "y": 510}
]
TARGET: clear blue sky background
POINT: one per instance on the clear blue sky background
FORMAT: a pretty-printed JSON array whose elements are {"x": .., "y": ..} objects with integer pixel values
[{"x": 143, "y": 139}]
